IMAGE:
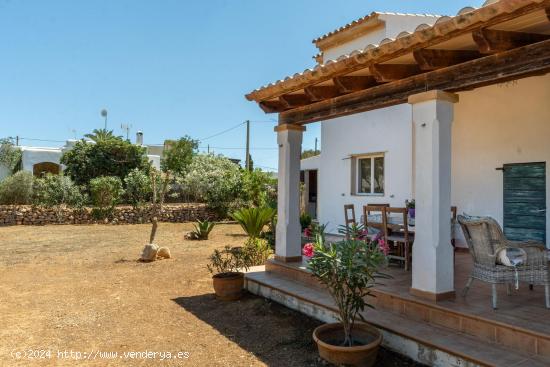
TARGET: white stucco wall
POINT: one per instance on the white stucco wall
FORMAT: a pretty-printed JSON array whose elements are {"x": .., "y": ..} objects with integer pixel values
[
  {"x": 34, "y": 155},
  {"x": 387, "y": 130},
  {"x": 394, "y": 24},
  {"x": 310, "y": 163},
  {"x": 495, "y": 125}
]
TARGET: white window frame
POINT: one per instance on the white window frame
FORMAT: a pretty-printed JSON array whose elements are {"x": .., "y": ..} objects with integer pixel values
[{"x": 357, "y": 175}]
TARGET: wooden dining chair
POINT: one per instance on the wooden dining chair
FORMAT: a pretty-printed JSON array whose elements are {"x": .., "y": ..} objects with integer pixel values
[
  {"x": 349, "y": 215},
  {"x": 397, "y": 233},
  {"x": 374, "y": 210}
]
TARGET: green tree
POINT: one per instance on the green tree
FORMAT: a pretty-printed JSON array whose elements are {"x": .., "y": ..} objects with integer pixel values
[
  {"x": 112, "y": 157},
  {"x": 308, "y": 153},
  {"x": 102, "y": 135},
  {"x": 178, "y": 155},
  {"x": 10, "y": 155},
  {"x": 259, "y": 188}
]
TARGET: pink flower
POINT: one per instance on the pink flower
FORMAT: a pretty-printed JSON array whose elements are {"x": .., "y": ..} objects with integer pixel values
[
  {"x": 363, "y": 234},
  {"x": 308, "y": 250},
  {"x": 307, "y": 232},
  {"x": 383, "y": 246}
]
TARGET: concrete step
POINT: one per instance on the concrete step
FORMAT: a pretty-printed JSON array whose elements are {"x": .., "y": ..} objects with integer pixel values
[{"x": 423, "y": 342}]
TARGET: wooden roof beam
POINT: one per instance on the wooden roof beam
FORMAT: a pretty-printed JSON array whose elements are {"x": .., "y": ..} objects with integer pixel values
[
  {"x": 431, "y": 59},
  {"x": 272, "y": 106},
  {"x": 294, "y": 100},
  {"x": 385, "y": 73},
  {"x": 491, "y": 41},
  {"x": 321, "y": 92},
  {"x": 548, "y": 14},
  {"x": 350, "y": 84},
  {"x": 488, "y": 70}
]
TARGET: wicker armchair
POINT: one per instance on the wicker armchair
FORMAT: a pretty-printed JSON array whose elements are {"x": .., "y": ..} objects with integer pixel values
[{"x": 485, "y": 238}]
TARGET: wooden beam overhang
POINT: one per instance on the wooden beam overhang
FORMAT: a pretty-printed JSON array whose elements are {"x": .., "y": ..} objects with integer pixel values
[
  {"x": 385, "y": 73},
  {"x": 431, "y": 59},
  {"x": 492, "y": 41},
  {"x": 548, "y": 13},
  {"x": 518, "y": 63},
  {"x": 320, "y": 92},
  {"x": 484, "y": 17},
  {"x": 272, "y": 106},
  {"x": 350, "y": 84},
  {"x": 294, "y": 100}
]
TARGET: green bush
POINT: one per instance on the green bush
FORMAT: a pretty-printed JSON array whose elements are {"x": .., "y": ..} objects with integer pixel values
[
  {"x": 17, "y": 189},
  {"x": 57, "y": 190},
  {"x": 178, "y": 155},
  {"x": 138, "y": 187},
  {"x": 106, "y": 193},
  {"x": 305, "y": 220},
  {"x": 10, "y": 155},
  {"x": 259, "y": 188},
  {"x": 215, "y": 180},
  {"x": 253, "y": 220},
  {"x": 107, "y": 157},
  {"x": 257, "y": 251}
]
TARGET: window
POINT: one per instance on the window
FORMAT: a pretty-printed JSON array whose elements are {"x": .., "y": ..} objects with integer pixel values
[{"x": 370, "y": 175}]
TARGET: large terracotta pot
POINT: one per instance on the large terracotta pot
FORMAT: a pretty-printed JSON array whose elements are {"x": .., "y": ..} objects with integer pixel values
[
  {"x": 228, "y": 286},
  {"x": 328, "y": 336}
]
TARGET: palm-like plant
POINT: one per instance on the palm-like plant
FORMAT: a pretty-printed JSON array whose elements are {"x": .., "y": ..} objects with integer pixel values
[
  {"x": 99, "y": 135},
  {"x": 253, "y": 220},
  {"x": 202, "y": 230}
]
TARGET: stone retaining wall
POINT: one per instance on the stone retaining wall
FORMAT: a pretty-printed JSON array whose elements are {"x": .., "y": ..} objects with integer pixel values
[{"x": 29, "y": 215}]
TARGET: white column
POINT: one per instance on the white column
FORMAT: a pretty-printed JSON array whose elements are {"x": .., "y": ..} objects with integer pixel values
[
  {"x": 433, "y": 258},
  {"x": 288, "y": 233}
]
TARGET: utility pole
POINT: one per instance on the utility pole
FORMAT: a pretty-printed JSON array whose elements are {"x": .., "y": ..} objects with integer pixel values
[
  {"x": 315, "y": 145},
  {"x": 247, "y": 164},
  {"x": 208, "y": 149},
  {"x": 17, "y": 141}
]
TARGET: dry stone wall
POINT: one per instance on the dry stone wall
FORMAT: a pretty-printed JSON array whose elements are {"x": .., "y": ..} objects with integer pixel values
[{"x": 31, "y": 215}]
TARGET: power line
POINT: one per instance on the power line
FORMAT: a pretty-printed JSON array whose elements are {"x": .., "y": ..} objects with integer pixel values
[
  {"x": 239, "y": 148},
  {"x": 45, "y": 140},
  {"x": 222, "y": 132}
]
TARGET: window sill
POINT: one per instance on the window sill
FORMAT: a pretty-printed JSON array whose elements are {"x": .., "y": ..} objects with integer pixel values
[{"x": 368, "y": 195}]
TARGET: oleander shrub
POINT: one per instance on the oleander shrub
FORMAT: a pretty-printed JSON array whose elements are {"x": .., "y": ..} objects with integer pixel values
[
  {"x": 57, "y": 190},
  {"x": 17, "y": 189},
  {"x": 138, "y": 188},
  {"x": 106, "y": 192}
]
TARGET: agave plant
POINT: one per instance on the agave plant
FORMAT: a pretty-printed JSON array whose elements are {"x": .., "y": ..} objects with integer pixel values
[
  {"x": 253, "y": 220},
  {"x": 202, "y": 230}
]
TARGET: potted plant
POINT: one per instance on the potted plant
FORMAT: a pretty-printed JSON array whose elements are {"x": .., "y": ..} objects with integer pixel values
[
  {"x": 348, "y": 270},
  {"x": 227, "y": 266},
  {"x": 411, "y": 208}
]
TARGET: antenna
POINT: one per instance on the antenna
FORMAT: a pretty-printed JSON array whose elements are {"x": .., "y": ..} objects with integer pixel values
[{"x": 126, "y": 127}]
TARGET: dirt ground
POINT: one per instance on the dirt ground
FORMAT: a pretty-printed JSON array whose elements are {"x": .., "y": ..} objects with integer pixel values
[{"x": 75, "y": 295}]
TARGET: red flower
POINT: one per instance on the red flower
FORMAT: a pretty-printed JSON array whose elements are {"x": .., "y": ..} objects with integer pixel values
[
  {"x": 308, "y": 250},
  {"x": 307, "y": 232}
]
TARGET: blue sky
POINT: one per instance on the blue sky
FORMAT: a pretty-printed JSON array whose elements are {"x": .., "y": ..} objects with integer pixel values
[{"x": 168, "y": 68}]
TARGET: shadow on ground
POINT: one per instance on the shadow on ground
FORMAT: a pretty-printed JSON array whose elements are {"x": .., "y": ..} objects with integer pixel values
[{"x": 276, "y": 335}]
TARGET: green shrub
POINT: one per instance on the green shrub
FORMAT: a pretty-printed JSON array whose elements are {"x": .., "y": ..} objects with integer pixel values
[
  {"x": 253, "y": 220},
  {"x": 305, "y": 220},
  {"x": 17, "y": 189},
  {"x": 178, "y": 155},
  {"x": 259, "y": 188},
  {"x": 215, "y": 180},
  {"x": 108, "y": 157},
  {"x": 10, "y": 155},
  {"x": 138, "y": 187},
  {"x": 202, "y": 230},
  {"x": 106, "y": 193},
  {"x": 229, "y": 260},
  {"x": 257, "y": 251},
  {"x": 57, "y": 190}
]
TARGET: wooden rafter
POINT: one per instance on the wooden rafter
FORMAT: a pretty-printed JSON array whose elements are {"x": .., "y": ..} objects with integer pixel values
[
  {"x": 294, "y": 100},
  {"x": 349, "y": 84},
  {"x": 272, "y": 106},
  {"x": 492, "y": 41},
  {"x": 385, "y": 73},
  {"x": 509, "y": 65},
  {"x": 548, "y": 13},
  {"x": 431, "y": 59},
  {"x": 320, "y": 92}
]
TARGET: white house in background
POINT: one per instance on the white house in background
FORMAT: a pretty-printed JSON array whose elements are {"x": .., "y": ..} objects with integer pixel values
[
  {"x": 41, "y": 160},
  {"x": 449, "y": 111}
]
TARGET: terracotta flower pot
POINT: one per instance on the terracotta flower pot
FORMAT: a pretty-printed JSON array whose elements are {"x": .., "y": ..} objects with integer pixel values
[
  {"x": 228, "y": 286},
  {"x": 329, "y": 337}
]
